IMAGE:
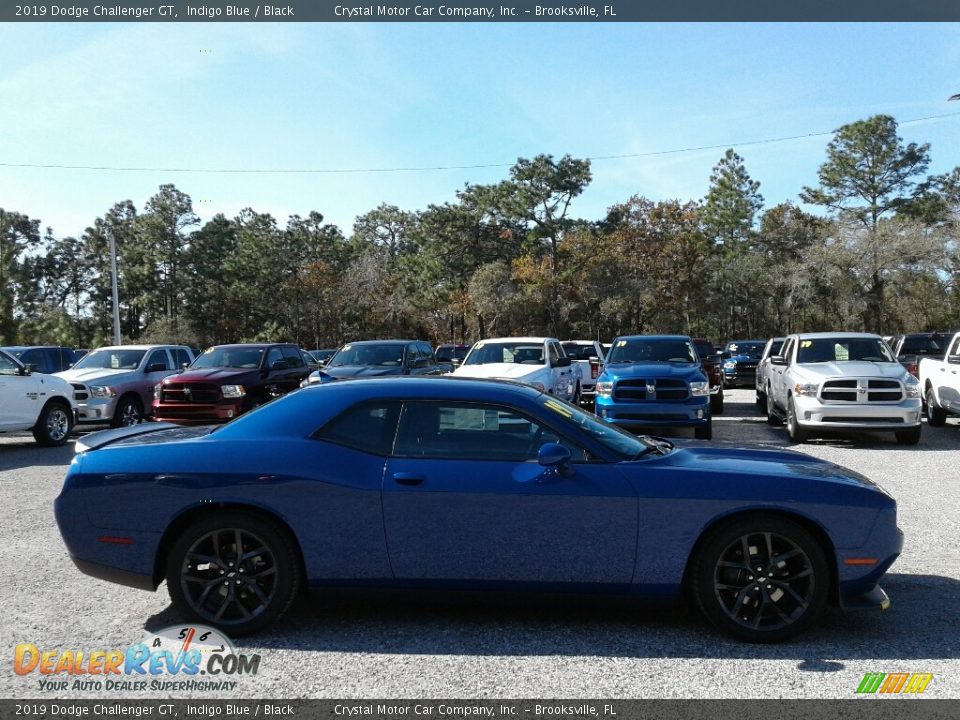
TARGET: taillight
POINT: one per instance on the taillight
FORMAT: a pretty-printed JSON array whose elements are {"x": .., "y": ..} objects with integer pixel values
[
  {"x": 913, "y": 369},
  {"x": 594, "y": 369}
]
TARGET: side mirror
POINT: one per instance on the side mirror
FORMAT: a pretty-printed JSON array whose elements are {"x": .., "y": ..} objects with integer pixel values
[
  {"x": 563, "y": 362},
  {"x": 456, "y": 362},
  {"x": 156, "y": 367},
  {"x": 555, "y": 456},
  {"x": 32, "y": 367},
  {"x": 778, "y": 360}
]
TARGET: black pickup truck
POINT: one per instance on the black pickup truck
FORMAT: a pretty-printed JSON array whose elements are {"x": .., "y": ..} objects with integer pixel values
[{"x": 378, "y": 358}]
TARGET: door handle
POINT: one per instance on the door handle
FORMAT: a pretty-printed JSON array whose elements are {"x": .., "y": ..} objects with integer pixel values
[{"x": 406, "y": 478}]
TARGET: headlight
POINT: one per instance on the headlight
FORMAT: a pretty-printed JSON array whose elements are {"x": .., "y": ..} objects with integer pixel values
[
  {"x": 699, "y": 388},
  {"x": 730, "y": 365},
  {"x": 157, "y": 390},
  {"x": 912, "y": 386},
  {"x": 102, "y": 391},
  {"x": 806, "y": 389},
  {"x": 605, "y": 388},
  {"x": 233, "y": 391}
]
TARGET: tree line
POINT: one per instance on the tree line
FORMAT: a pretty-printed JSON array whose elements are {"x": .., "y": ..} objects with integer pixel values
[{"x": 508, "y": 258}]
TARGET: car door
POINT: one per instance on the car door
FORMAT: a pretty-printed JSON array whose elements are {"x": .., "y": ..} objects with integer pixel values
[
  {"x": 19, "y": 401},
  {"x": 464, "y": 499},
  {"x": 559, "y": 376},
  {"x": 950, "y": 390},
  {"x": 779, "y": 374},
  {"x": 296, "y": 370}
]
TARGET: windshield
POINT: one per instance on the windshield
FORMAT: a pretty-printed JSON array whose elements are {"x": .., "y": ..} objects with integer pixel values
[
  {"x": 921, "y": 345},
  {"x": 749, "y": 348},
  {"x": 236, "y": 357},
  {"x": 387, "y": 355},
  {"x": 634, "y": 350},
  {"x": 843, "y": 350},
  {"x": 111, "y": 360},
  {"x": 620, "y": 442},
  {"x": 446, "y": 353},
  {"x": 575, "y": 351},
  {"x": 526, "y": 353}
]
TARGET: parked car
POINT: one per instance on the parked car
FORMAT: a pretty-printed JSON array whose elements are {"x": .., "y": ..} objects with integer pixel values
[
  {"x": 589, "y": 357},
  {"x": 115, "y": 384},
  {"x": 451, "y": 354},
  {"x": 482, "y": 485},
  {"x": 323, "y": 356},
  {"x": 536, "y": 361},
  {"x": 227, "y": 381},
  {"x": 42, "y": 404},
  {"x": 374, "y": 358},
  {"x": 710, "y": 362},
  {"x": 908, "y": 349},
  {"x": 740, "y": 360},
  {"x": 842, "y": 381},
  {"x": 940, "y": 380},
  {"x": 46, "y": 359},
  {"x": 655, "y": 381},
  {"x": 772, "y": 348},
  {"x": 310, "y": 361}
]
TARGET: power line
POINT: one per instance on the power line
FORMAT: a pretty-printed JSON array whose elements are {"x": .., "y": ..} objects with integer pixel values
[{"x": 435, "y": 168}]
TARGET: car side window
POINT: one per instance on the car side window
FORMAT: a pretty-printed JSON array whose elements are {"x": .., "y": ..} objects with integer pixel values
[
  {"x": 472, "y": 431},
  {"x": 427, "y": 352},
  {"x": 787, "y": 350},
  {"x": 367, "y": 427},
  {"x": 275, "y": 359},
  {"x": 158, "y": 357},
  {"x": 8, "y": 366},
  {"x": 180, "y": 356},
  {"x": 34, "y": 357},
  {"x": 293, "y": 358},
  {"x": 956, "y": 348}
]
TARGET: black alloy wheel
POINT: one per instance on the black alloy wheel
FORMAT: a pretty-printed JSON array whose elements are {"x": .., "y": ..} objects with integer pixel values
[
  {"x": 129, "y": 412},
  {"x": 233, "y": 571},
  {"x": 762, "y": 580}
]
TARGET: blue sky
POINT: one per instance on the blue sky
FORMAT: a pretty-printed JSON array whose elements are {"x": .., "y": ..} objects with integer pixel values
[{"x": 353, "y": 96}]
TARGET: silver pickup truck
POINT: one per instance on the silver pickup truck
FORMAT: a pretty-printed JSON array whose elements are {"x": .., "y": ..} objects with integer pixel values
[{"x": 115, "y": 384}]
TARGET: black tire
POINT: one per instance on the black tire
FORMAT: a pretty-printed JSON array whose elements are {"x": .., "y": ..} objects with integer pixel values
[
  {"x": 129, "y": 412},
  {"x": 716, "y": 403},
  {"x": 772, "y": 417},
  {"x": 267, "y": 574},
  {"x": 761, "y": 400},
  {"x": 575, "y": 400},
  {"x": 908, "y": 437},
  {"x": 704, "y": 432},
  {"x": 784, "y": 599},
  {"x": 54, "y": 424},
  {"x": 936, "y": 415},
  {"x": 796, "y": 433}
]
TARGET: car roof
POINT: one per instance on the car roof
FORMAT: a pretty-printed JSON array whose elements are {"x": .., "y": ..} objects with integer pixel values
[
  {"x": 140, "y": 347},
  {"x": 653, "y": 337},
  {"x": 382, "y": 342},
  {"x": 425, "y": 387},
  {"x": 828, "y": 335},
  {"x": 250, "y": 345},
  {"x": 747, "y": 340},
  {"x": 10, "y": 348},
  {"x": 527, "y": 339}
]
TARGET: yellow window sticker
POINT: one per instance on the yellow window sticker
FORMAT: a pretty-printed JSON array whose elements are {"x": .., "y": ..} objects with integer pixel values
[
  {"x": 806, "y": 343},
  {"x": 622, "y": 343},
  {"x": 557, "y": 407}
]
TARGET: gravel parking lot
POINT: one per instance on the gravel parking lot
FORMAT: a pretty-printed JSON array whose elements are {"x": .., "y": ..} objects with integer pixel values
[{"x": 409, "y": 647}]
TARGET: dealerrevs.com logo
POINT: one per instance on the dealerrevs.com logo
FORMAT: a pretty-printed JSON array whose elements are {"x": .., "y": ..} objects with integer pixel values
[
  {"x": 901, "y": 683},
  {"x": 178, "y": 658}
]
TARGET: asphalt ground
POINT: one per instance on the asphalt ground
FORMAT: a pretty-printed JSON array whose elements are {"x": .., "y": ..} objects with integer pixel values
[{"x": 398, "y": 646}]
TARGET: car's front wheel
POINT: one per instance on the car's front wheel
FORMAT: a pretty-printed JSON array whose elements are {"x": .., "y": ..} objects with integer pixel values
[
  {"x": 234, "y": 571},
  {"x": 716, "y": 403},
  {"x": 129, "y": 412},
  {"x": 762, "y": 579},
  {"x": 772, "y": 417},
  {"x": 797, "y": 434}
]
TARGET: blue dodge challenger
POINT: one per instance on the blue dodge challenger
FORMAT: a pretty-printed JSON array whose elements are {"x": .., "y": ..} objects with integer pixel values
[{"x": 461, "y": 483}]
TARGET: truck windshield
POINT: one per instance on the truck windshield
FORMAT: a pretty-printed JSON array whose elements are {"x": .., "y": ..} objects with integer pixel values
[
  {"x": 111, "y": 360},
  {"x": 526, "y": 353},
  {"x": 388, "y": 355},
  {"x": 638, "y": 350},
  {"x": 921, "y": 345},
  {"x": 575, "y": 351},
  {"x": 236, "y": 357},
  {"x": 821, "y": 350},
  {"x": 747, "y": 348}
]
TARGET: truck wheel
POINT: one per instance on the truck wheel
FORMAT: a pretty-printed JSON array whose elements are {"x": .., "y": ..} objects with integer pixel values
[
  {"x": 575, "y": 400},
  {"x": 129, "y": 412},
  {"x": 761, "y": 399},
  {"x": 936, "y": 415},
  {"x": 716, "y": 403},
  {"x": 797, "y": 434},
  {"x": 772, "y": 417},
  {"x": 54, "y": 424},
  {"x": 908, "y": 437},
  {"x": 704, "y": 432}
]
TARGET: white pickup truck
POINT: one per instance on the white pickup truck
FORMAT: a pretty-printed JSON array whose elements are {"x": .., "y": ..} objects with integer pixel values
[
  {"x": 940, "y": 380},
  {"x": 33, "y": 401},
  {"x": 589, "y": 357},
  {"x": 842, "y": 381},
  {"x": 536, "y": 361}
]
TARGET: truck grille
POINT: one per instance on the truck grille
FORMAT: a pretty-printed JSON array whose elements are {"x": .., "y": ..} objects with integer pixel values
[
  {"x": 80, "y": 392},
  {"x": 664, "y": 389},
  {"x": 190, "y": 393},
  {"x": 861, "y": 390}
]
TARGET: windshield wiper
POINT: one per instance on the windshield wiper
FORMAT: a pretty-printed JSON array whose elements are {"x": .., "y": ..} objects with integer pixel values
[{"x": 661, "y": 446}]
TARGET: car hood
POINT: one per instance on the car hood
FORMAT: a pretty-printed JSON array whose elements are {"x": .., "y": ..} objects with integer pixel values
[
  {"x": 214, "y": 375},
  {"x": 88, "y": 375},
  {"x": 349, "y": 371},
  {"x": 512, "y": 371},
  {"x": 892, "y": 370},
  {"x": 651, "y": 369}
]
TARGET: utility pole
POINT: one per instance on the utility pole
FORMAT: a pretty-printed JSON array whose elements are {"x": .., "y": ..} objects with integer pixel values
[{"x": 113, "y": 288}]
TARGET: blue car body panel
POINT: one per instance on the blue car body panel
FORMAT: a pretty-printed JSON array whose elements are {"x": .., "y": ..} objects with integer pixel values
[{"x": 626, "y": 526}]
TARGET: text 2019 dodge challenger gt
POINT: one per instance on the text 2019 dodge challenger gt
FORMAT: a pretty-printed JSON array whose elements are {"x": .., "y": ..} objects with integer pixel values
[{"x": 470, "y": 484}]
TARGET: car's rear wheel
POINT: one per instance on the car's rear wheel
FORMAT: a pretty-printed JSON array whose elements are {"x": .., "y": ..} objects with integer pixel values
[
  {"x": 936, "y": 415},
  {"x": 762, "y": 579},
  {"x": 575, "y": 400},
  {"x": 54, "y": 424},
  {"x": 716, "y": 403},
  {"x": 797, "y": 434},
  {"x": 908, "y": 437},
  {"x": 129, "y": 412},
  {"x": 234, "y": 571}
]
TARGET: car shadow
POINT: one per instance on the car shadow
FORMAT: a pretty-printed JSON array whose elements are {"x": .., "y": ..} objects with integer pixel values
[
  {"x": 23, "y": 452},
  {"x": 921, "y": 624}
]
